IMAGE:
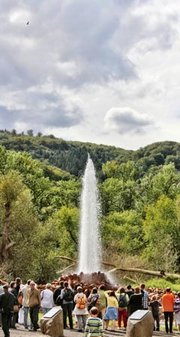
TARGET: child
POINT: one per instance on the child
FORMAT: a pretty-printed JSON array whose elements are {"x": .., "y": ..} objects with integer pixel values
[
  {"x": 94, "y": 324},
  {"x": 154, "y": 304}
]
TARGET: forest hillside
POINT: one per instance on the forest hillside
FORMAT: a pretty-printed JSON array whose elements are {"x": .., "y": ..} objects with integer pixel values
[{"x": 40, "y": 186}]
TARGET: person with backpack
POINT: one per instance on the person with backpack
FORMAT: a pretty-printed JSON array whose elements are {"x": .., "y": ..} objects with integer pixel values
[
  {"x": 57, "y": 294},
  {"x": 93, "y": 298},
  {"x": 80, "y": 309},
  {"x": 67, "y": 295},
  {"x": 122, "y": 307}
]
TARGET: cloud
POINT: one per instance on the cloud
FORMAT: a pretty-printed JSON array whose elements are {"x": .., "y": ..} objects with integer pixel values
[
  {"x": 78, "y": 58},
  {"x": 41, "y": 110},
  {"x": 73, "y": 32},
  {"x": 124, "y": 120}
]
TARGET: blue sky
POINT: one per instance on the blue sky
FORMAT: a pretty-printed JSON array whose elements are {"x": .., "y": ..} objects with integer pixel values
[{"x": 102, "y": 71}]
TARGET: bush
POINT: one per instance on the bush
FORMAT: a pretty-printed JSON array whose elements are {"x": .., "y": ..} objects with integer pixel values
[{"x": 162, "y": 284}]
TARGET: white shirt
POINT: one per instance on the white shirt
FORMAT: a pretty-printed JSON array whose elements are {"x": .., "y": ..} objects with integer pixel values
[{"x": 47, "y": 299}]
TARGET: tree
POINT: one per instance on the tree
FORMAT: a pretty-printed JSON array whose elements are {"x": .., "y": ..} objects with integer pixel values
[
  {"x": 161, "y": 232},
  {"x": 123, "y": 232},
  {"x": 10, "y": 187},
  {"x": 30, "y": 132},
  {"x": 125, "y": 171},
  {"x": 3, "y": 159},
  {"x": 117, "y": 195},
  {"x": 18, "y": 224},
  {"x": 166, "y": 182},
  {"x": 67, "y": 220}
]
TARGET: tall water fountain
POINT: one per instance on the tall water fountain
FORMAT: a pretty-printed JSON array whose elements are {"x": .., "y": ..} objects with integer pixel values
[
  {"x": 89, "y": 242},
  {"x": 89, "y": 261}
]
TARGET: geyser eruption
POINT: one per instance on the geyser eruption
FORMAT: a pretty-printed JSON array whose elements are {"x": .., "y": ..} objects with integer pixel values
[{"x": 89, "y": 243}]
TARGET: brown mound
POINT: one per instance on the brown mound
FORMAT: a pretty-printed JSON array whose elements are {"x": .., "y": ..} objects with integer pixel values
[{"x": 88, "y": 280}]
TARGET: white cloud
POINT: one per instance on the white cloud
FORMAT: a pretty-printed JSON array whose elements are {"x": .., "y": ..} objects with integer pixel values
[
  {"x": 125, "y": 119},
  {"x": 19, "y": 17}
]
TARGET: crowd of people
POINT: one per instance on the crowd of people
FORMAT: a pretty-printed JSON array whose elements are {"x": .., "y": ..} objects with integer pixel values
[{"x": 91, "y": 310}]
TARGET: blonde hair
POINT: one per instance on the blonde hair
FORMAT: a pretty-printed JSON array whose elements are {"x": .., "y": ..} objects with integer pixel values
[{"x": 48, "y": 285}]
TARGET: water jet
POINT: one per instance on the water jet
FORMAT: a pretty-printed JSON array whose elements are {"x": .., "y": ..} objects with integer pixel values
[{"x": 90, "y": 250}]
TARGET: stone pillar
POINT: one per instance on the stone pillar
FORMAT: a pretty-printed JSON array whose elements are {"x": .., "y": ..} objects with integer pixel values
[
  {"x": 140, "y": 324},
  {"x": 52, "y": 322}
]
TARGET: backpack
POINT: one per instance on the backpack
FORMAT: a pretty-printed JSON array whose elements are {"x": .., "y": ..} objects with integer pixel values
[
  {"x": 81, "y": 302},
  {"x": 93, "y": 301},
  {"x": 59, "y": 300},
  {"x": 68, "y": 295},
  {"x": 122, "y": 301}
]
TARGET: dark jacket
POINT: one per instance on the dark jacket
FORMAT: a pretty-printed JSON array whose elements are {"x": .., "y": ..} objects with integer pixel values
[
  {"x": 7, "y": 301},
  {"x": 135, "y": 303}
]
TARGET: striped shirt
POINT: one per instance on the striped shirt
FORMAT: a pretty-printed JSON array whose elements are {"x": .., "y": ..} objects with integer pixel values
[
  {"x": 94, "y": 327},
  {"x": 145, "y": 298}
]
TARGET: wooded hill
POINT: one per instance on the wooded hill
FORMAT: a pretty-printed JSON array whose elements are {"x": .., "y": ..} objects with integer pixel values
[
  {"x": 40, "y": 189},
  {"x": 71, "y": 156}
]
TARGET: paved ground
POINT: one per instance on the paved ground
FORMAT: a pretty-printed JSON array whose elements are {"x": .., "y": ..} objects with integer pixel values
[{"x": 21, "y": 332}]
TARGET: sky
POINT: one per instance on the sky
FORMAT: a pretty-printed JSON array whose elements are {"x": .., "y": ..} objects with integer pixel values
[{"x": 101, "y": 71}]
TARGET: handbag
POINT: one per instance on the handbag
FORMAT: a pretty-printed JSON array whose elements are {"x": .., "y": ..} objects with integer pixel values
[{"x": 15, "y": 308}]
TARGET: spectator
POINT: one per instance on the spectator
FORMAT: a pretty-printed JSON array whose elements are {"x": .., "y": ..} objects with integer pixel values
[
  {"x": 154, "y": 304},
  {"x": 67, "y": 296},
  {"x": 102, "y": 301},
  {"x": 177, "y": 310},
  {"x": 47, "y": 301},
  {"x": 57, "y": 294},
  {"x": 93, "y": 298},
  {"x": 7, "y": 301},
  {"x": 34, "y": 305},
  {"x": 1, "y": 292},
  {"x": 129, "y": 291},
  {"x": 111, "y": 313},
  {"x": 25, "y": 302},
  {"x": 122, "y": 309},
  {"x": 168, "y": 308},
  {"x": 145, "y": 297},
  {"x": 14, "y": 316},
  {"x": 80, "y": 309},
  {"x": 135, "y": 301},
  {"x": 94, "y": 325}
]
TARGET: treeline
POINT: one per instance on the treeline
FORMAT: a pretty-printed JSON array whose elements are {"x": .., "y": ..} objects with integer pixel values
[
  {"x": 39, "y": 204},
  {"x": 71, "y": 156},
  {"x": 67, "y": 155}
]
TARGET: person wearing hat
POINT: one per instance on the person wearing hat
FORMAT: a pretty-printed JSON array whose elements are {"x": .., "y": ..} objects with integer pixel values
[
  {"x": 7, "y": 301},
  {"x": 80, "y": 309}
]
